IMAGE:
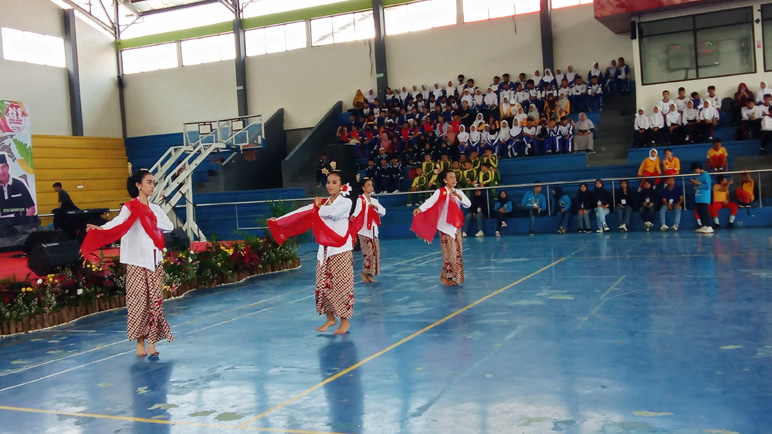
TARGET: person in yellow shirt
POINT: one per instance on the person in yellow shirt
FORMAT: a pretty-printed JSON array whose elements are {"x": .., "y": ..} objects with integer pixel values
[
  {"x": 721, "y": 201},
  {"x": 671, "y": 163},
  {"x": 717, "y": 157},
  {"x": 651, "y": 166},
  {"x": 746, "y": 193},
  {"x": 427, "y": 165}
]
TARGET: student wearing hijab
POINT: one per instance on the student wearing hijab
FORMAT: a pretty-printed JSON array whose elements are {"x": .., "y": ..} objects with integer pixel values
[
  {"x": 491, "y": 103},
  {"x": 475, "y": 139},
  {"x": 538, "y": 80},
  {"x": 562, "y": 208},
  {"x": 611, "y": 72},
  {"x": 559, "y": 76},
  {"x": 503, "y": 209},
  {"x": 595, "y": 72},
  {"x": 479, "y": 100},
  {"x": 741, "y": 98},
  {"x": 648, "y": 198},
  {"x": 602, "y": 200},
  {"x": 673, "y": 126},
  {"x": 689, "y": 120},
  {"x": 564, "y": 106},
  {"x": 642, "y": 126},
  {"x": 584, "y": 204},
  {"x": 519, "y": 116},
  {"x": 708, "y": 120},
  {"x": 490, "y": 139},
  {"x": 549, "y": 78},
  {"x": 624, "y": 205},
  {"x": 583, "y": 138},
  {"x": 359, "y": 100},
  {"x": 763, "y": 90},
  {"x": 570, "y": 74},
  {"x": 658, "y": 131},
  {"x": 517, "y": 145},
  {"x": 507, "y": 111},
  {"x": 479, "y": 121},
  {"x": 505, "y": 139},
  {"x": 651, "y": 166}
]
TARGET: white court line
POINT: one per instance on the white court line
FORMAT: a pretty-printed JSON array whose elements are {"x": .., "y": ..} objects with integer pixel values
[
  {"x": 228, "y": 320},
  {"x": 65, "y": 371}
]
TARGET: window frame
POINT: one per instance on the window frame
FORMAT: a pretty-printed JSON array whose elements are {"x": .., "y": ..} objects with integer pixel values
[
  {"x": 694, "y": 30},
  {"x": 763, "y": 36}
]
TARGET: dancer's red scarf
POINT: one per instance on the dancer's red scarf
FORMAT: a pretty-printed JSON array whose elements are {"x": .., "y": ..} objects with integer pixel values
[
  {"x": 139, "y": 211},
  {"x": 359, "y": 221},
  {"x": 425, "y": 223},
  {"x": 295, "y": 224}
]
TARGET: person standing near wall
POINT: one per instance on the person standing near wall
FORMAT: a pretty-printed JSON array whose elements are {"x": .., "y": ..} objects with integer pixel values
[{"x": 140, "y": 226}]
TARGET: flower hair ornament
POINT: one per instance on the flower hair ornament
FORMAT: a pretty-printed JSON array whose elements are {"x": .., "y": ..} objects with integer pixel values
[{"x": 345, "y": 190}]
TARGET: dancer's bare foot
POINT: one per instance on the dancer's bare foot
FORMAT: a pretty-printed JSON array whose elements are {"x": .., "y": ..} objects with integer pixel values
[
  {"x": 152, "y": 351},
  {"x": 454, "y": 283},
  {"x": 141, "y": 348},
  {"x": 327, "y": 324},
  {"x": 343, "y": 328},
  {"x": 447, "y": 282},
  {"x": 372, "y": 279},
  {"x": 365, "y": 278}
]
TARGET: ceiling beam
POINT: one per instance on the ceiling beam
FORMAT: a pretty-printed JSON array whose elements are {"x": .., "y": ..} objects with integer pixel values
[
  {"x": 174, "y": 8},
  {"x": 97, "y": 21}
]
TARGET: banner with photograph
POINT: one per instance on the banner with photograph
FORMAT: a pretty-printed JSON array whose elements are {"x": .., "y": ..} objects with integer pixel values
[{"x": 18, "y": 202}]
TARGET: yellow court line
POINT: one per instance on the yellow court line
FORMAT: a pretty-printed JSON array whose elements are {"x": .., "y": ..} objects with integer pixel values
[
  {"x": 161, "y": 421},
  {"x": 395, "y": 345}
]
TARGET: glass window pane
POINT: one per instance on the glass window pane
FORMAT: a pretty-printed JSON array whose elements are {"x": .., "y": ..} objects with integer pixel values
[
  {"x": 767, "y": 29},
  {"x": 13, "y": 44},
  {"x": 191, "y": 52},
  {"x": 185, "y": 18},
  {"x": 396, "y": 20},
  {"x": 501, "y": 8},
  {"x": 321, "y": 31},
  {"x": 275, "y": 39},
  {"x": 165, "y": 56},
  {"x": 419, "y": 16},
  {"x": 55, "y": 52},
  {"x": 444, "y": 13},
  {"x": 766, "y": 11},
  {"x": 265, "y": 7},
  {"x": 668, "y": 58},
  {"x": 295, "y": 35},
  {"x": 255, "y": 42},
  {"x": 666, "y": 26},
  {"x": 364, "y": 24},
  {"x": 227, "y": 46},
  {"x": 725, "y": 50},
  {"x": 131, "y": 61},
  {"x": 527, "y": 6},
  {"x": 723, "y": 18},
  {"x": 35, "y": 48},
  {"x": 343, "y": 28},
  {"x": 475, "y": 11}
]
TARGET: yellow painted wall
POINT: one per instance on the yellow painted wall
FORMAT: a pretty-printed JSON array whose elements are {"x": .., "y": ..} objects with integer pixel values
[{"x": 92, "y": 170}]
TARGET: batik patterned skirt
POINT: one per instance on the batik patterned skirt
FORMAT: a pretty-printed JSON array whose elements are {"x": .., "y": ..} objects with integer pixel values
[
  {"x": 335, "y": 285},
  {"x": 144, "y": 301},
  {"x": 371, "y": 252},
  {"x": 452, "y": 260}
]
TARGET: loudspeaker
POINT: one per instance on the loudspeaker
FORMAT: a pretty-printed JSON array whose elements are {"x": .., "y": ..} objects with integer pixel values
[
  {"x": 46, "y": 258},
  {"x": 177, "y": 240},
  {"x": 37, "y": 238},
  {"x": 633, "y": 30}
]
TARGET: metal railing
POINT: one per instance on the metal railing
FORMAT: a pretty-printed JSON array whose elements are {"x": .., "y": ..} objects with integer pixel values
[{"x": 614, "y": 182}]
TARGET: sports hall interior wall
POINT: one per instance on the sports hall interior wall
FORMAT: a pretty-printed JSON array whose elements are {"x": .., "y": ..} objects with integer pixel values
[{"x": 45, "y": 88}]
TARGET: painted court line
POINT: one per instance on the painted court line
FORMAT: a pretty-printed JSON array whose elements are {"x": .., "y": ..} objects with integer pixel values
[
  {"x": 396, "y": 344},
  {"x": 160, "y": 421}
]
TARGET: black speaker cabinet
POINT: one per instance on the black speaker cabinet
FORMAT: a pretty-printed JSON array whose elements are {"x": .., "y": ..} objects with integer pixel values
[
  {"x": 177, "y": 240},
  {"x": 46, "y": 258},
  {"x": 37, "y": 238}
]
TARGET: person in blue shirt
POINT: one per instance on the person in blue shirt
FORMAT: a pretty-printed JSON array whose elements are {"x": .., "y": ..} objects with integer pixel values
[
  {"x": 562, "y": 208},
  {"x": 502, "y": 208},
  {"x": 672, "y": 200},
  {"x": 533, "y": 204},
  {"x": 702, "y": 187},
  {"x": 622, "y": 77}
]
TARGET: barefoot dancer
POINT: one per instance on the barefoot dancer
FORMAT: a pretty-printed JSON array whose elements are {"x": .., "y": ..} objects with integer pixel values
[
  {"x": 329, "y": 219},
  {"x": 139, "y": 226},
  {"x": 364, "y": 224},
  {"x": 443, "y": 211}
]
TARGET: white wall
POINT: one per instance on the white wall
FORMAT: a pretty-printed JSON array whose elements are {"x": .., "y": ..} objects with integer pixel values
[
  {"x": 308, "y": 81},
  {"x": 647, "y": 96},
  {"x": 44, "y": 88},
  {"x": 159, "y": 102},
  {"x": 478, "y": 50},
  {"x": 98, "y": 67},
  {"x": 579, "y": 39}
]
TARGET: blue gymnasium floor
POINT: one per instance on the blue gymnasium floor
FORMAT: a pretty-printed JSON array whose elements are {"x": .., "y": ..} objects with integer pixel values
[{"x": 638, "y": 333}]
